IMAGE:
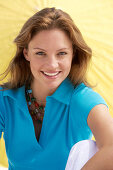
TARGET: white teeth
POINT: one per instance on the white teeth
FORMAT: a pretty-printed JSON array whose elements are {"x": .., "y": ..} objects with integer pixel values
[{"x": 50, "y": 74}]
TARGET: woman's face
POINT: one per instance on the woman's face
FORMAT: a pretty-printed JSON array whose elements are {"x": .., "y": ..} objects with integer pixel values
[{"x": 50, "y": 55}]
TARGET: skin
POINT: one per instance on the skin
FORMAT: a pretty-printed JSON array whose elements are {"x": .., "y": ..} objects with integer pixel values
[
  {"x": 101, "y": 125},
  {"x": 50, "y": 52}
]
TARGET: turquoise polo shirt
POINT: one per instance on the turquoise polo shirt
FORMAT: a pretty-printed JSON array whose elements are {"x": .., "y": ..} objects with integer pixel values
[{"x": 64, "y": 124}]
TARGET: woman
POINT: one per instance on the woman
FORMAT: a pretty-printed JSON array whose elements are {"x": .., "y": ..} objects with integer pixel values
[{"x": 47, "y": 105}]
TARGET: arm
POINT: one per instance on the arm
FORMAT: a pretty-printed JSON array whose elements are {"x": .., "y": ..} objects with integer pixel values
[{"x": 101, "y": 125}]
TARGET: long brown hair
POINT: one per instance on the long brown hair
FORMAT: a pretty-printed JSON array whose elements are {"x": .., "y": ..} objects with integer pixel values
[{"x": 46, "y": 19}]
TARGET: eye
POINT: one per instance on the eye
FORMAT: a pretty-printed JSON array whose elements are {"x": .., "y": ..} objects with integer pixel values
[
  {"x": 62, "y": 53},
  {"x": 40, "y": 53}
]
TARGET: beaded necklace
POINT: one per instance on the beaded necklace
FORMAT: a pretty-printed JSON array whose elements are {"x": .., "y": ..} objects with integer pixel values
[{"x": 36, "y": 110}]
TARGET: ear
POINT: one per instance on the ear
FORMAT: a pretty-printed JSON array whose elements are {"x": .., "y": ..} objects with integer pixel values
[{"x": 25, "y": 52}]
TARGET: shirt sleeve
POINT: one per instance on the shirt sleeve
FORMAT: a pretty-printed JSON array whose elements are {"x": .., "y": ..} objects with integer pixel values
[
  {"x": 86, "y": 99},
  {"x": 82, "y": 102},
  {"x": 2, "y": 116}
]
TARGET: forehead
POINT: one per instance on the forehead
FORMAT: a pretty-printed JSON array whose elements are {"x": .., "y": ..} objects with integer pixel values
[{"x": 50, "y": 38}]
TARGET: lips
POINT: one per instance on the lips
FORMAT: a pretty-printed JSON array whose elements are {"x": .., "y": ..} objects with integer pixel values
[{"x": 51, "y": 74}]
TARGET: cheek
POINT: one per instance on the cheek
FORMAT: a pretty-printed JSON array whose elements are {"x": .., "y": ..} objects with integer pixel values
[
  {"x": 34, "y": 68},
  {"x": 34, "y": 64},
  {"x": 67, "y": 64}
]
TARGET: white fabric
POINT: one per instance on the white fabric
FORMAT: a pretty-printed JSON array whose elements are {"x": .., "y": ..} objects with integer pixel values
[
  {"x": 2, "y": 168},
  {"x": 80, "y": 153}
]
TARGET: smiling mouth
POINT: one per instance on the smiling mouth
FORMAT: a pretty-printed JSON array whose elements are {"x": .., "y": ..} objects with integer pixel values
[{"x": 51, "y": 74}]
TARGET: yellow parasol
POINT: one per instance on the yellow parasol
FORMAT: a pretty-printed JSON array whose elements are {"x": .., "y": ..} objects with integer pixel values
[{"x": 94, "y": 19}]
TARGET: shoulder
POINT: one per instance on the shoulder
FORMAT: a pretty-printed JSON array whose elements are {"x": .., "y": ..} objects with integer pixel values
[
  {"x": 84, "y": 99},
  {"x": 86, "y": 96},
  {"x": 13, "y": 93},
  {"x": 12, "y": 98}
]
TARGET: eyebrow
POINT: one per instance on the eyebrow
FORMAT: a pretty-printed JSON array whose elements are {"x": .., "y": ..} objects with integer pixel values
[
  {"x": 38, "y": 48},
  {"x": 45, "y": 50}
]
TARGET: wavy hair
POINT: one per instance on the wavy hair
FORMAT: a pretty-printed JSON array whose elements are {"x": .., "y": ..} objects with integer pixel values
[{"x": 47, "y": 19}]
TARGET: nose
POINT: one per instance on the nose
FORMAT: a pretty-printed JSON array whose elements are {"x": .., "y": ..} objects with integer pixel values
[{"x": 52, "y": 61}]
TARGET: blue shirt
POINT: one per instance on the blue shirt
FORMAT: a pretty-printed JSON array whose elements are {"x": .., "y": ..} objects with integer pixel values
[{"x": 64, "y": 124}]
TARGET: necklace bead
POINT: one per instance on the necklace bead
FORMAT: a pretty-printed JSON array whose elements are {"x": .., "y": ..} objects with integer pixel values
[
  {"x": 36, "y": 110},
  {"x": 36, "y": 104}
]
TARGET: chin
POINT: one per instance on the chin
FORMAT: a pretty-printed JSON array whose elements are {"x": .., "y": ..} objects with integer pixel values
[{"x": 53, "y": 85}]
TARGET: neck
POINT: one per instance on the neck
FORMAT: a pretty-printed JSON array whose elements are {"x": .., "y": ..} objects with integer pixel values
[{"x": 40, "y": 92}]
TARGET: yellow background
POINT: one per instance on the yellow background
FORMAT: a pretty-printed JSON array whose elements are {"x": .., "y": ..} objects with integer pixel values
[{"x": 95, "y": 20}]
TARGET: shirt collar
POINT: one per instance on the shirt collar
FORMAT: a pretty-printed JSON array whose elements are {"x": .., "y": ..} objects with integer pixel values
[
  {"x": 62, "y": 94},
  {"x": 18, "y": 95}
]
